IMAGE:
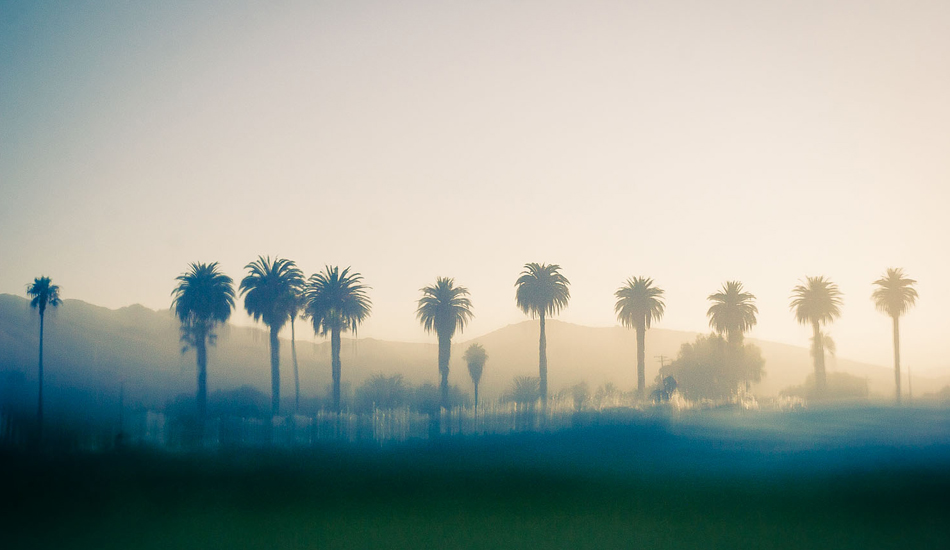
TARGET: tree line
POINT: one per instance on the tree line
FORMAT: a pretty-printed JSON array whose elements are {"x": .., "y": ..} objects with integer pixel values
[{"x": 334, "y": 301}]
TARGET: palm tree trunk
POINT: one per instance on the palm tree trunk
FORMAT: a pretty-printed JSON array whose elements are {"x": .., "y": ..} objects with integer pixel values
[
  {"x": 476, "y": 405},
  {"x": 897, "y": 359},
  {"x": 335, "y": 367},
  {"x": 820, "y": 378},
  {"x": 641, "y": 360},
  {"x": 201, "y": 398},
  {"x": 39, "y": 406},
  {"x": 293, "y": 353},
  {"x": 543, "y": 364},
  {"x": 445, "y": 351},
  {"x": 275, "y": 372}
]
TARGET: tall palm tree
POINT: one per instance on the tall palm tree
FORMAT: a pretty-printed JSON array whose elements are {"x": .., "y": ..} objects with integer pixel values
[
  {"x": 894, "y": 295},
  {"x": 475, "y": 356},
  {"x": 444, "y": 309},
  {"x": 44, "y": 293},
  {"x": 296, "y": 307},
  {"x": 639, "y": 305},
  {"x": 203, "y": 299},
  {"x": 268, "y": 291},
  {"x": 336, "y": 301},
  {"x": 817, "y": 302},
  {"x": 542, "y": 290},
  {"x": 733, "y": 311}
]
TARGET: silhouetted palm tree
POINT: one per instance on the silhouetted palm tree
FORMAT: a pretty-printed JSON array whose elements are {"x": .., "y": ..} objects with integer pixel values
[
  {"x": 203, "y": 298},
  {"x": 639, "y": 304},
  {"x": 44, "y": 293},
  {"x": 732, "y": 312},
  {"x": 444, "y": 308},
  {"x": 296, "y": 307},
  {"x": 268, "y": 291},
  {"x": 542, "y": 290},
  {"x": 817, "y": 301},
  {"x": 894, "y": 295},
  {"x": 336, "y": 302},
  {"x": 475, "y": 356}
]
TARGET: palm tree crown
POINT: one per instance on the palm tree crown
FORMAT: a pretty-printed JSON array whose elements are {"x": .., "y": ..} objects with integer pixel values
[
  {"x": 639, "y": 303},
  {"x": 336, "y": 300},
  {"x": 817, "y": 301},
  {"x": 475, "y": 357},
  {"x": 732, "y": 312},
  {"x": 44, "y": 293},
  {"x": 269, "y": 289},
  {"x": 895, "y": 294},
  {"x": 444, "y": 308},
  {"x": 542, "y": 290},
  {"x": 203, "y": 296}
]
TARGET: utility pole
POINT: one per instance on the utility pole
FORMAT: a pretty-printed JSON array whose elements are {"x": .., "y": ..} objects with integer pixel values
[{"x": 662, "y": 359}]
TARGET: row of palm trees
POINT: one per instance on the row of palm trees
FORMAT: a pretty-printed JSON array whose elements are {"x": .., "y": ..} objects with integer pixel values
[{"x": 275, "y": 292}]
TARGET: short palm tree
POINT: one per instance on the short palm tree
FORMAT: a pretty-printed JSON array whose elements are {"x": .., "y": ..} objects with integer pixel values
[
  {"x": 44, "y": 293},
  {"x": 475, "y": 357},
  {"x": 733, "y": 312},
  {"x": 542, "y": 290},
  {"x": 444, "y": 309},
  {"x": 817, "y": 302},
  {"x": 203, "y": 299},
  {"x": 894, "y": 295},
  {"x": 336, "y": 301},
  {"x": 269, "y": 289},
  {"x": 639, "y": 305}
]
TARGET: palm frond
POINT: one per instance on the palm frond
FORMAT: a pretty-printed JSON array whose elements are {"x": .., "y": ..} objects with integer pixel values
[
  {"x": 817, "y": 300},
  {"x": 270, "y": 290},
  {"x": 444, "y": 308},
  {"x": 542, "y": 288},
  {"x": 639, "y": 303},
  {"x": 895, "y": 294},
  {"x": 336, "y": 300}
]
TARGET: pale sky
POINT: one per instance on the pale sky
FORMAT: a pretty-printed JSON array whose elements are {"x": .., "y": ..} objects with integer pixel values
[{"x": 692, "y": 142}]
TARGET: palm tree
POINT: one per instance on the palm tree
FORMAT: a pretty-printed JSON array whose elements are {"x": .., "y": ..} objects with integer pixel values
[
  {"x": 444, "y": 308},
  {"x": 268, "y": 291},
  {"x": 542, "y": 290},
  {"x": 732, "y": 312},
  {"x": 296, "y": 307},
  {"x": 894, "y": 295},
  {"x": 203, "y": 298},
  {"x": 475, "y": 356},
  {"x": 336, "y": 301},
  {"x": 817, "y": 301},
  {"x": 44, "y": 293},
  {"x": 639, "y": 305}
]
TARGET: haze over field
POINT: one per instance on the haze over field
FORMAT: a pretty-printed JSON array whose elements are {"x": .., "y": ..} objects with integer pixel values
[{"x": 692, "y": 142}]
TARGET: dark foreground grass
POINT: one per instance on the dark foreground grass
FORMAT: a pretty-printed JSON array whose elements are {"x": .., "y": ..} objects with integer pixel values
[{"x": 627, "y": 484}]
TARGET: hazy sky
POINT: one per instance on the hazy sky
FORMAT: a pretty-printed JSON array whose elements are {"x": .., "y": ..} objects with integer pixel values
[{"x": 692, "y": 142}]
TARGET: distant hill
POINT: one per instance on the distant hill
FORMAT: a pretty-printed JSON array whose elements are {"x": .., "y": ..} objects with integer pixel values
[{"x": 94, "y": 350}]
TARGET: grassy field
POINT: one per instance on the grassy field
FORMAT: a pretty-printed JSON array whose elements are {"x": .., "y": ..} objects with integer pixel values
[{"x": 858, "y": 478}]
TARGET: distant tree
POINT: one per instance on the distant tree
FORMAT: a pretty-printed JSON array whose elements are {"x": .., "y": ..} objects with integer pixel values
[
  {"x": 475, "y": 357},
  {"x": 712, "y": 368},
  {"x": 542, "y": 290},
  {"x": 444, "y": 309},
  {"x": 336, "y": 302},
  {"x": 664, "y": 391},
  {"x": 382, "y": 392},
  {"x": 269, "y": 295},
  {"x": 202, "y": 300},
  {"x": 580, "y": 393},
  {"x": 733, "y": 311},
  {"x": 43, "y": 293},
  {"x": 817, "y": 302},
  {"x": 639, "y": 305},
  {"x": 524, "y": 391},
  {"x": 894, "y": 295}
]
